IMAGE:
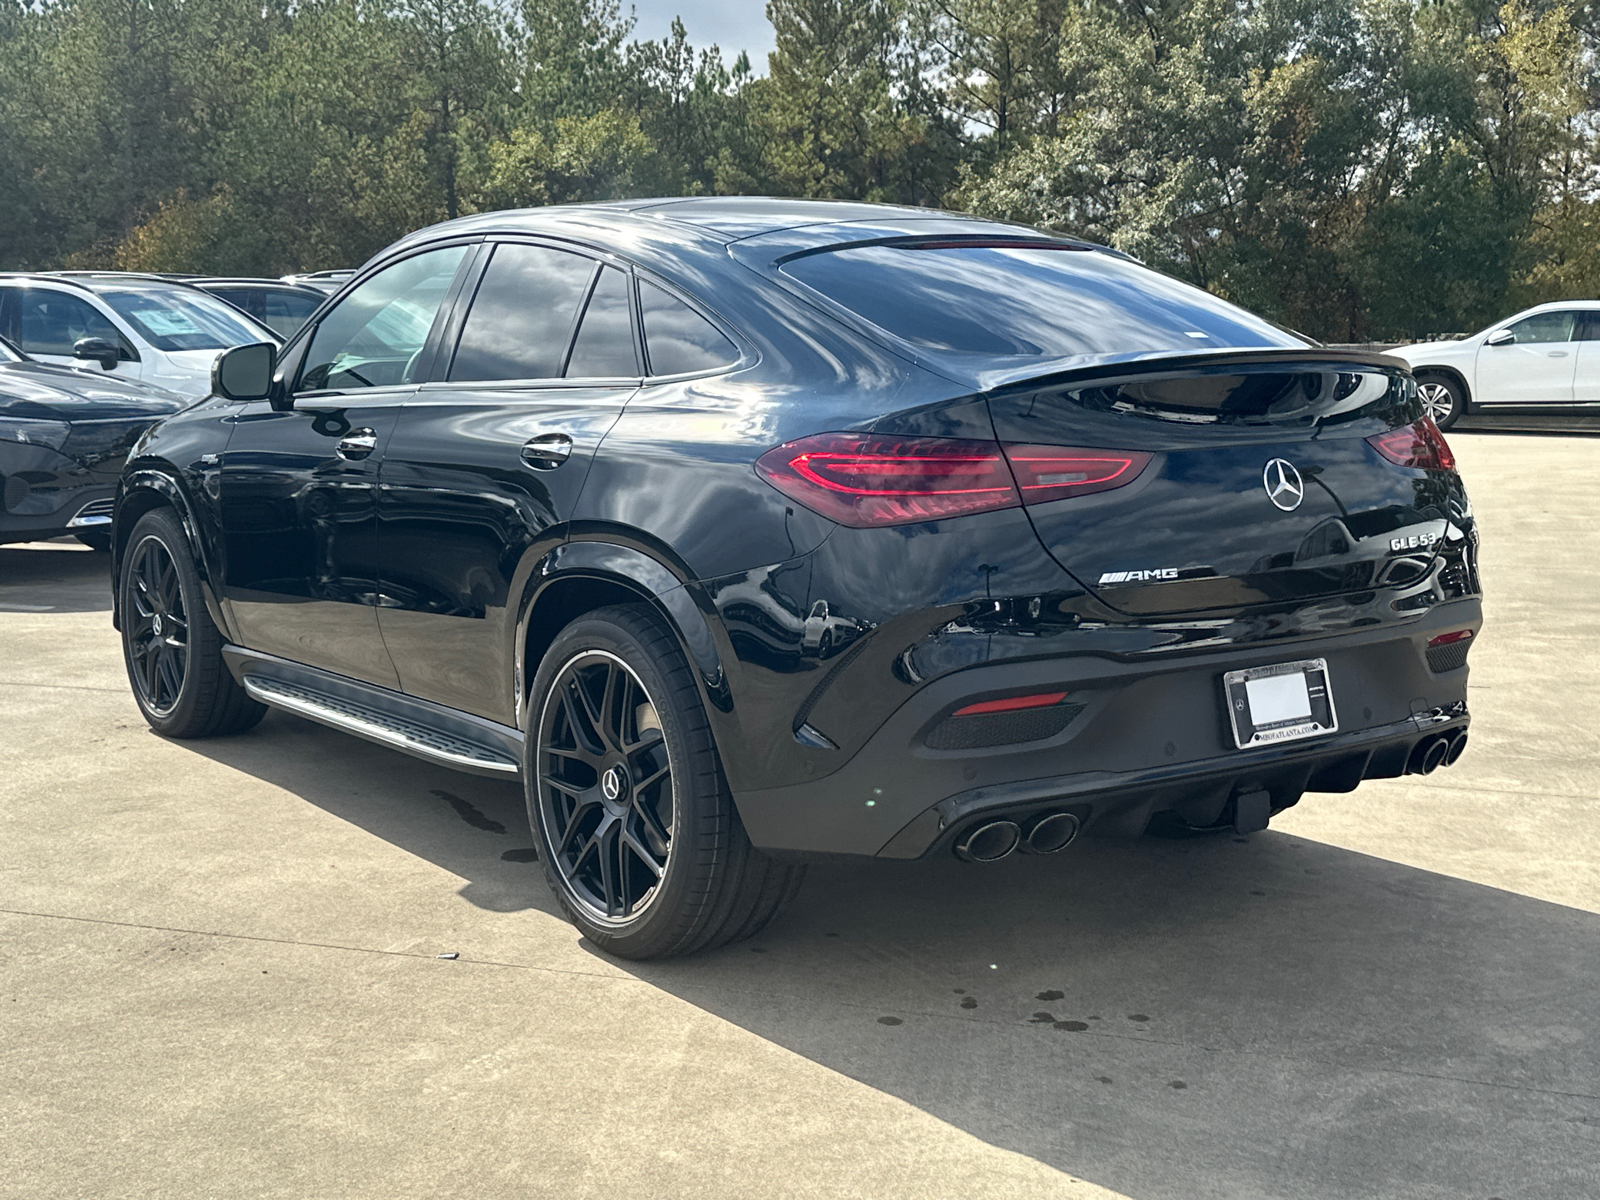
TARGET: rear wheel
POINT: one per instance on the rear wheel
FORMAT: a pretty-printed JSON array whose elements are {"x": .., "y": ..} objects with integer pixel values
[
  {"x": 1442, "y": 398},
  {"x": 172, "y": 648},
  {"x": 636, "y": 830}
]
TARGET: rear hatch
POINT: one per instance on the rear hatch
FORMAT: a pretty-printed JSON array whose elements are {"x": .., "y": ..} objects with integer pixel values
[{"x": 1228, "y": 479}]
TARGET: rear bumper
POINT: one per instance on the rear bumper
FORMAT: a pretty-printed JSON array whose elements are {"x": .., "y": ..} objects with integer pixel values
[{"x": 1152, "y": 736}]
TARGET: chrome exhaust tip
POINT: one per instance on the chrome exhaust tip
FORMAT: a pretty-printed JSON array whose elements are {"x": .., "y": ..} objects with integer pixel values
[
  {"x": 1050, "y": 834},
  {"x": 989, "y": 842},
  {"x": 1430, "y": 756}
]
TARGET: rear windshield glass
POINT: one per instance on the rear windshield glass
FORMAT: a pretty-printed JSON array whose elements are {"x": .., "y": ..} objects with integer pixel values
[
  {"x": 1028, "y": 302},
  {"x": 184, "y": 320}
]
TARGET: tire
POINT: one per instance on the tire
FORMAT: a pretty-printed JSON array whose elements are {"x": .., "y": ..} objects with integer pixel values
[
  {"x": 1442, "y": 398},
  {"x": 96, "y": 539},
  {"x": 170, "y": 645},
  {"x": 636, "y": 830}
]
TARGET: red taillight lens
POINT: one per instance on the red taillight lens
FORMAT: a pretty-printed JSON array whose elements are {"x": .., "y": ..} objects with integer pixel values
[
  {"x": 1056, "y": 472},
  {"x": 1417, "y": 445},
  {"x": 1450, "y": 639},
  {"x": 864, "y": 480},
  {"x": 1011, "y": 704}
]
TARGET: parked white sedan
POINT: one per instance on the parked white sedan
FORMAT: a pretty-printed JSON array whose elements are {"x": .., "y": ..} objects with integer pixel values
[{"x": 1545, "y": 356}]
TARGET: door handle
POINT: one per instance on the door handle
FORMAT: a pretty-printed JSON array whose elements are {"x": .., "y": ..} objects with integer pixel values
[
  {"x": 547, "y": 451},
  {"x": 1558, "y": 354},
  {"x": 357, "y": 444}
]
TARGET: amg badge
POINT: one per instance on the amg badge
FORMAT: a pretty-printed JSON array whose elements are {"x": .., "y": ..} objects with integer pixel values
[{"x": 1139, "y": 576}]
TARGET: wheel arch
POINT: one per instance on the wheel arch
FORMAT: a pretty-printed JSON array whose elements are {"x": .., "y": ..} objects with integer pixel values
[
  {"x": 143, "y": 489},
  {"x": 580, "y": 577},
  {"x": 1454, "y": 375}
]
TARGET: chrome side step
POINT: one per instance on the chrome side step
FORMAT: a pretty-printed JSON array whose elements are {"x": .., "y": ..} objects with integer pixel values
[{"x": 449, "y": 738}]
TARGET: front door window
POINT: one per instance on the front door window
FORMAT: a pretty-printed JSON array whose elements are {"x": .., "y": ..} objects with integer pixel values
[{"x": 375, "y": 336}]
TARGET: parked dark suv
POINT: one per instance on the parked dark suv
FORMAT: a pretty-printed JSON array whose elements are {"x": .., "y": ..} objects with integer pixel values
[{"x": 746, "y": 530}]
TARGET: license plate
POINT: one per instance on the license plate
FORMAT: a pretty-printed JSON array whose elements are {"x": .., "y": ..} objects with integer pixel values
[{"x": 1281, "y": 703}]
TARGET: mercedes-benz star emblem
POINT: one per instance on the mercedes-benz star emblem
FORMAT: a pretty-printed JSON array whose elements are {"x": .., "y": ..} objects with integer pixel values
[
  {"x": 155, "y": 625},
  {"x": 611, "y": 783},
  {"x": 1283, "y": 483}
]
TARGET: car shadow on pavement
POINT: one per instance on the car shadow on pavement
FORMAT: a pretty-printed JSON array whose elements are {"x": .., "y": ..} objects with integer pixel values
[
  {"x": 475, "y": 828},
  {"x": 54, "y": 577},
  {"x": 1221, "y": 1017}
]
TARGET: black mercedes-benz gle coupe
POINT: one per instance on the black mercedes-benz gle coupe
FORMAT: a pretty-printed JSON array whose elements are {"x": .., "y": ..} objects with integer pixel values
[
  {"x": 64, "y": 433},
  {"x": 744, "y": 531}
]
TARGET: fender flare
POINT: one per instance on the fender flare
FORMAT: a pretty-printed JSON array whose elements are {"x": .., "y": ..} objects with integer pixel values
[
  {"x": 639, "y": 572},
  {"x": 162, "y": 480}
]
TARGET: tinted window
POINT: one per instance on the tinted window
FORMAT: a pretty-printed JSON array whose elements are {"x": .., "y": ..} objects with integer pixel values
[
  {"x": 285, "y": 312},
  {"x": 522, "y": 317},
  {"x": 1589, "y": 327},
  {"x": 248, "y": 299},
  {"x": 1544, "y": 327},
  {"x": 1028, "y": 302},
  {"x": 604, "y": 345},
  {"x": 375, "y": 335},
  {"x": 183, "y": 320},
  {"x": 50, "y": 322},
  {"x": 677, "y": 338}
]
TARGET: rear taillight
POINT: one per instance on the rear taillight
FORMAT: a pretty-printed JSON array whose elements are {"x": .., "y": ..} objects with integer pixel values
[
  {"x": 1418, "y": 445},
  {"x": 1055, "y": 472},
  {"x": 864, "y": 480}
]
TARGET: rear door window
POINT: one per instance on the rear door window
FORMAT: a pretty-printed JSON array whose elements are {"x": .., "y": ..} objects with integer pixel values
[
  {"x": 677, "y": 339},
  {"x": 522, "y": 317},
  {"x": 603, "y": 348}
]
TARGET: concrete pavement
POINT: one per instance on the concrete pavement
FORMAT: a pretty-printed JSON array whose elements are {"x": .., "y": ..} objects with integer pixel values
[{"x": 218, "y": 971}]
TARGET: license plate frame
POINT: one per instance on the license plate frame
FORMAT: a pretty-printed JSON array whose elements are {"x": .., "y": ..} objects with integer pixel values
[{"x": 1276, "y": 698}]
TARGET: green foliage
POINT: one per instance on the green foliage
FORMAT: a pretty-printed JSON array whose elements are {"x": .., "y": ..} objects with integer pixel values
[{"x": 1353, "y": 168}]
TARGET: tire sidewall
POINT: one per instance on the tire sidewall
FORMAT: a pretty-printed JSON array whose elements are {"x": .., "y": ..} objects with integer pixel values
[
  {"x": 664, "y": 920},
  {"x": 1457, "y": 400},
  {"x": 160, "y": 525}
]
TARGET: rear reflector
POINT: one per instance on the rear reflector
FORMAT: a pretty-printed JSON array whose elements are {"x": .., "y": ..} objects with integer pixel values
[
  {"x": 1047, "y": 473},
  {"x": 1419, "y": 445},
  {"x": 864, "y": 480},
  {"x": 1011, "y": 704},
  {"x": 1446, "y": 639}
]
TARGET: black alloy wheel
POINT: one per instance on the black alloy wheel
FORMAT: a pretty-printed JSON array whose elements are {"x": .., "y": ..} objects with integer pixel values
[
  {"x": 158, "y": 626},
  {"x": 637, "y": 834},
  {"x": 605, "y": 786},
  {"x": 170, "y": 645}
]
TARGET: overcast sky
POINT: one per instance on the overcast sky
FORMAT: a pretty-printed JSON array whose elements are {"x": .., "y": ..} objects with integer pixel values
[{"x": 734, "y": 25}]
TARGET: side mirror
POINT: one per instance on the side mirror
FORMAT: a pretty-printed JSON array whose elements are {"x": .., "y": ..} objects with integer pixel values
[
  {"x": 102, "y": 350},
  {"x": 245, "y": 372},
  {"x": 1500, "y": 337}
]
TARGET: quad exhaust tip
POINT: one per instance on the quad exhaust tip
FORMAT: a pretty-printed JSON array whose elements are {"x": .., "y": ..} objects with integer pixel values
[
  {"x": 993, "y": 840},
  {"x": 1433, "y": 753},
  {"x": 989, "y": 842}
]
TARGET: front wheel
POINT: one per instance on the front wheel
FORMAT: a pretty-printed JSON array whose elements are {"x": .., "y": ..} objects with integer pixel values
[
  {"x": 636, "y": 831},
  {"x": 172, "y": 648},
  {"x": 1442, "y": 399}
]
